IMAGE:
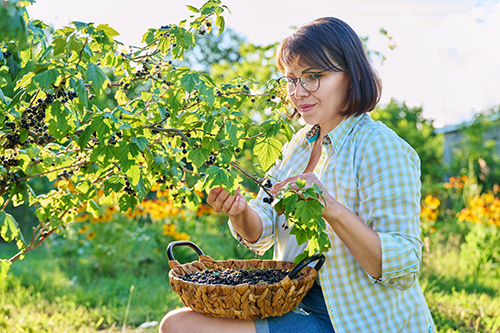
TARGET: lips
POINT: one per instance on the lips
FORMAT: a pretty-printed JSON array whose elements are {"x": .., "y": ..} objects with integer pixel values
[{"x": 306, "y": 107}]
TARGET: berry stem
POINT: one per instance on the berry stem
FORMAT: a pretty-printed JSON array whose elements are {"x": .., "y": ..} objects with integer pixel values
[{"x": 257, "y": 181}]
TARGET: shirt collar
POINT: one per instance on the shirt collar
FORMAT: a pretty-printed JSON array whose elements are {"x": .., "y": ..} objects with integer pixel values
[{"x": 337, "y": 136}]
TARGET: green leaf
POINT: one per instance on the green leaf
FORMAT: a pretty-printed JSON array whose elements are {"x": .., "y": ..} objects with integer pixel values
[
  {"x": 221, "y": 23},
  {"x": 189, "y": 39},
  {"x": 210, "y": 144},
  {"x": 25, "y": 81},
  {"x": 164, "y": 45},
  {"x": 125, "y": 153},
  {"x": 308, "y": 211},
  {"x": 290, "y": 202},
  {"x": 4, "y": 268},
  {"x": 235, "y": 131},
  {"x": 193, "y": 9},
  {"x": 140, "y": 188},
  {"x": 207, "y": 94},
  {"x": 103, "y": 154},
  {"x": 141, "y": 142},
  {"x": 47, "y": 78},
  {"x": 61, "y": 120},
  {"x": 134, "y": 174},
  {"x": 81, "y": 92},
  {"x": 2, "y": 97},
  {"x": 198, "y": 156},
  {"x": 93, "y": 208},
  {"x": 9, "y": 230},
  {"x": 271, "y": 127},
  {"x": 114, "y": 183},
  {"x": 126, "y": 202},
  {"x": 108, "y": 30},
  {"x": 96, "y": 76},
  {"x": 84, "y": 137},
  {"x": 300, "y": 233},
  {"x": 87, "y": 190},
  {"x": 218, "y": 177},
  {"x": 102, "y": 127},
  {"x": 268, "y": 150},
  {"x": 189, "y": 80},
  {"x": 301, "y": 183}
]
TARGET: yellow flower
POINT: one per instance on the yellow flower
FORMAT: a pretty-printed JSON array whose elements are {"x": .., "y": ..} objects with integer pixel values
[
  {"x": 83, "y": 229},
  {"x": 168, "y": 229},
  {"x": 432, "y": 202},
  {"x": 91, "y": 235},
  {"x": 82, "y": 218},
  {"x": 181, "y": 236}
]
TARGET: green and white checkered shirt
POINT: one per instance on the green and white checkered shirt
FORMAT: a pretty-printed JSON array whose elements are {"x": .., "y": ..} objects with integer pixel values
[{"x": 376, "y": 174}]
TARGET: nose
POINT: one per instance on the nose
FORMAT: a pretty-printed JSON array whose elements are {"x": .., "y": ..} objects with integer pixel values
[{"x": 300, "y": 91}]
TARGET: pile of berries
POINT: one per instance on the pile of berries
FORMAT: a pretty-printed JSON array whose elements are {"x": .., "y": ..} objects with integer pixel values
[{"x": 234, "y": 277}]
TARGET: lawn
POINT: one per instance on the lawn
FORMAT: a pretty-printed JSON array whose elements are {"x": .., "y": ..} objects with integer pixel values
[{"x": 113, "y": 277}]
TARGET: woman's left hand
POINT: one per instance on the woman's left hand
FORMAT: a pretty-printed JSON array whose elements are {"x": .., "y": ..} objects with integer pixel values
[
  {"x": 329, "y": 202},
  {"x": 309, "y": 177}
]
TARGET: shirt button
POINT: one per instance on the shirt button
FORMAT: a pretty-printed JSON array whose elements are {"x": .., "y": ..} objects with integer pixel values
[{"x": 392, "y": 281}]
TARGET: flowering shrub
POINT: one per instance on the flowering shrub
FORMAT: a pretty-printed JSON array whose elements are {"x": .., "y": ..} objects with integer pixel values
[
  {"x": 429, "y": 213},
  {"x": 483, "y": 209}
]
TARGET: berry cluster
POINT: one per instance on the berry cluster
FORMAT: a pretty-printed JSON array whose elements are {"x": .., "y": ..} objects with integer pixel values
[
  {"x": 211, "y": 160},
  {"x": 65, "y": 174},
  {"x": 128, "y": 189},
  {"x": 162, "y": 180},
  {"x": 112, "y": 140},
  {"x": 142, "y": 72},
  {"x": 268, "y": 200},
  {"x": 234, "y": 277},
  {"x": 268, "y": 184},
  {"x": 7, "y": 54},
  {"x": 8, "y": 162}
]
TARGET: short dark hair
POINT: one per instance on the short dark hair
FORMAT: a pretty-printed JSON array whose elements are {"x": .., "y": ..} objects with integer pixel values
[{"x": 326, "y": 42}]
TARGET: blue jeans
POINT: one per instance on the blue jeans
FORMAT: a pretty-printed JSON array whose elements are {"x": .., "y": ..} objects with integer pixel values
[{"x": 311, "y": 316}]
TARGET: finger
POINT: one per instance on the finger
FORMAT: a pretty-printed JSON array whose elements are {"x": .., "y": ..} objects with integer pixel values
[
  {"x": 235, "y": 208},
  {"x": 213, "y": 194},
  {"x": 280, "y": 185}
]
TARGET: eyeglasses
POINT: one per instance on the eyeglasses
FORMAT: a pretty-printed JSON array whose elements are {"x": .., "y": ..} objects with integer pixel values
[{"x": 309, "y": 81}]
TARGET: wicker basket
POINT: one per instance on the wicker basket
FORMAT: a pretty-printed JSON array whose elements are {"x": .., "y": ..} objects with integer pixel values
[{"x": 243, "y": 301}]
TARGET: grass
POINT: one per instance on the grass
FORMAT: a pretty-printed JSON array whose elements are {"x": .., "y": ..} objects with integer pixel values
[{"x": 118, "y": 281}]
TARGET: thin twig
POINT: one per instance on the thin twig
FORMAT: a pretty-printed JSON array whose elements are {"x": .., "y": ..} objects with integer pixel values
[
  {"x": 54, "y": 170},
  {"x": 167, "y": 130},
  {"x": 256, "y": 180},
  {"x": 5, "y": 205}
]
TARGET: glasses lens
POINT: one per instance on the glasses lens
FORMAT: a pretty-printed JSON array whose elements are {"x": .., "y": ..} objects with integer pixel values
[
  {"x": 287, "y": 85},
  {"x": 310, "y": 81}
]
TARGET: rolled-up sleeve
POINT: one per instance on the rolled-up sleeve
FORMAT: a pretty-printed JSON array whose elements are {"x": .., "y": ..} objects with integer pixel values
[
  {"x": 267, "y": 215},
  {"x": 390, "y": 202}
]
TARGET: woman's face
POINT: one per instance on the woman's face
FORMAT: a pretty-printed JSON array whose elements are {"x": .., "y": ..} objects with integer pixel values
[{"x": 323, "y": 105}]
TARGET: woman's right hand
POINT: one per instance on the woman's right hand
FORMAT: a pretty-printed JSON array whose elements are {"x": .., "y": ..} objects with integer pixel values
[{"x": 222, "y": 201}]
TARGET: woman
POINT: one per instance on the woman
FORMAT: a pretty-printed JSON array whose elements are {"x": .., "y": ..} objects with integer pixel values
[{"x": 370, "y": 180}]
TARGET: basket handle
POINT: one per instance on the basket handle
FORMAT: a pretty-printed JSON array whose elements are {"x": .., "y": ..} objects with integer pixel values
[
  {"x": 182, "y": 243},
  {"x": 319, "y": 257}
]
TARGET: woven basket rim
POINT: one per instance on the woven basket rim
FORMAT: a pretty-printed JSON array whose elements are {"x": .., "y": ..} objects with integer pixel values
[{"x": 262, "y": 299}]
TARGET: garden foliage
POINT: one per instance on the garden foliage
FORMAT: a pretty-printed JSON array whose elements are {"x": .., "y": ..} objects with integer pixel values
[{"x": 103, "y": 123}]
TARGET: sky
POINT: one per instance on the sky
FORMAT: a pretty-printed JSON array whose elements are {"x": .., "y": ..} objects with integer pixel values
[{"x": 446, "y": 60}]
